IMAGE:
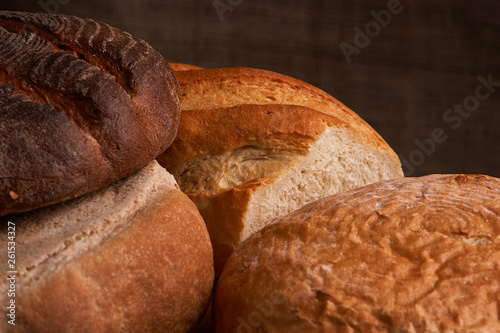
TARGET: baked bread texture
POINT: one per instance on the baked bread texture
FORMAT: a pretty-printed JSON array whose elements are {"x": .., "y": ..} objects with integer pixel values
[
  {"x": 249, "y": 164},
  {"x": 134, "y": 256},
  {"x": 177, "y": 66},
  {"x": 405, "y": 255},
  {"x": 225, "y": 87},
  {"x": 82, "y": 104}
]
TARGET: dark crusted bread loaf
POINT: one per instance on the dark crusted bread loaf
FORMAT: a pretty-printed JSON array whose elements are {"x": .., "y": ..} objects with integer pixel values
[
  {"x": 82, "y": 104},
  {"x": 406, "y": 255},
  {"x": 134, "y": 256}
]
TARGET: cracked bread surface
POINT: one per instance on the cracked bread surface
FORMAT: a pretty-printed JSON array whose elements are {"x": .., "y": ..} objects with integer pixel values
[{"x": 404, "y": 255}]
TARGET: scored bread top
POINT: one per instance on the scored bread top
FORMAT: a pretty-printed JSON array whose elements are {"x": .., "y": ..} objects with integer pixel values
[
  {"x": 411, "y": 254},
  {"x": 134, "y": 256},
  {"x": 254, "y": 145},
  {"x": 82, "y": 104},
  {"x": 227, "y": 139},
  {"x": 224, "y": 87}
]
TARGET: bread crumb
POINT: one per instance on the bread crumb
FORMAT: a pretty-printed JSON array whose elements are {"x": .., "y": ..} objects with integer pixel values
[{"x": 14, "y": 195}]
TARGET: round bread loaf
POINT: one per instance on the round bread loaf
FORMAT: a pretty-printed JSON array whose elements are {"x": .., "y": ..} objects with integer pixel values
[
  {"x": 254, "y": 145},
  {"x": 82, "y": 104},
  {"x": 406, "y": 255},
  {"x": 134, "y": 256}
]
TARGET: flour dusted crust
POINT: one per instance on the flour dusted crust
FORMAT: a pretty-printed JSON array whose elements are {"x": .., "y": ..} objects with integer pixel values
[
  {"x": 134, "y": 256},
  {"x": 405, "y": 255},
  {"x": 82, "y": 104}
]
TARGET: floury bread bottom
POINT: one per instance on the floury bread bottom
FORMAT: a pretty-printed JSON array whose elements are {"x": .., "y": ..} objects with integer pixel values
[{"x": 134, "y": 257}]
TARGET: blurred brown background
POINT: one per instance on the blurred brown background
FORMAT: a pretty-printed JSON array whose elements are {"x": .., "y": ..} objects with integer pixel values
[{"x": 407, "y": 77}]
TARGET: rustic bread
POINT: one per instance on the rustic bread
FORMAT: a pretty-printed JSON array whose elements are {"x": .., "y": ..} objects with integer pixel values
[
  {"x": 82, "y": 104},
  {"x": 224, "y": 87},
  {"x": 248, "y": 164},
  {"x": 132, "y": 257},
  {"x": 406, "y": 255},
  {"x": 176, "y": 66}
]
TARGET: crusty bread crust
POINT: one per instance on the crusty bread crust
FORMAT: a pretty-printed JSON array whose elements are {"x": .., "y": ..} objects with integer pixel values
[
  {"x": 82, "y": 104},
  {"x": 225, "y": 87},
  {"x": 223, "y": 157},
  {"x": 132, "y": 257},
  {"x": 183, "y": 67},
  {"x": 204, "y": 132},
  {"x": 405, "y": 255},
  {"x": 226, "y": 129}
]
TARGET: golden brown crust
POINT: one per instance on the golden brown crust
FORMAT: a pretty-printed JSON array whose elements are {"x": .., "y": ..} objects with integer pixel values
[
  {"x": 224, "y": 214},
  {"x": 242, "y": 133},
  {"x": 153, "y": 275},
  {"x": 406, "y": 255},
  {"x": 294, "y": 91},
  {"x": 225, "y": 129},
  {"x": 82, "y": 105},
  {"x": 283, "y": 133},
  {"x": 183, "y": 67}
]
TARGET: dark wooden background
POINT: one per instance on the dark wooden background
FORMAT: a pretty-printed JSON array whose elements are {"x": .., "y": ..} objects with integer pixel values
[{"x": 424, "y": 61}]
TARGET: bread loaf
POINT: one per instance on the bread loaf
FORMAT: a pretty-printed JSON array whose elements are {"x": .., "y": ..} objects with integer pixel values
[
  {"x": 82, "y": 104},
  {"x": 182, "y": 67},
  {"x": 405, "y": 255},
  {"x": 248, "y": 164},
  {"x": 132, "y": 257}
]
